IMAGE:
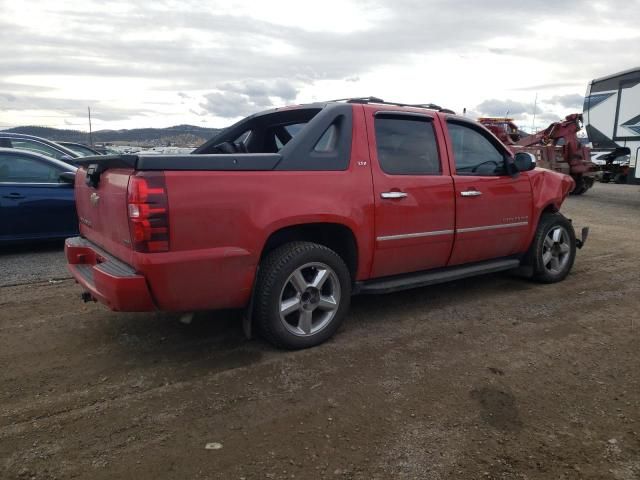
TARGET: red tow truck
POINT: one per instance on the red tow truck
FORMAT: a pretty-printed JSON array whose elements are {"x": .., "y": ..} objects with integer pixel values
[
  {"x": 556, "y": 147},
  {"x": 290, "y": 212}
]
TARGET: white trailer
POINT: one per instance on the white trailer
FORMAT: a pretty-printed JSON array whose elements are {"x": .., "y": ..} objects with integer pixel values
[{"x": 612, "y": 115}]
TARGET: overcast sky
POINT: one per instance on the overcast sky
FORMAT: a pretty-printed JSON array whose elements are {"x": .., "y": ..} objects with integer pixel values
[{"x": 168, "y": 62}]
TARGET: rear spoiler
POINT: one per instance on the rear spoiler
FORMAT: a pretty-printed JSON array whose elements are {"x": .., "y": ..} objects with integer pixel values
[
  {"x": 108, "y": 161},
  {"x": 97, "y": 164}
]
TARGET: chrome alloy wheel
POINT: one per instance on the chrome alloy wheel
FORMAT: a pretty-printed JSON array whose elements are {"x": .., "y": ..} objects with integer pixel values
[
  {"x": 309, "y": 299},
  {"x": 556, "y": 250}
]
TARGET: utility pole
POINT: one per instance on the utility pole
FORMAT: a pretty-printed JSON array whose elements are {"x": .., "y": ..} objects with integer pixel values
[
  {"x": 535, "y": 106},
  {"x": 90, "y": 137}
]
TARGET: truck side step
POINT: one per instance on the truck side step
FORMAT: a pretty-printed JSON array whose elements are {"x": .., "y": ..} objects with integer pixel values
[{"x": 432, "y": 277}]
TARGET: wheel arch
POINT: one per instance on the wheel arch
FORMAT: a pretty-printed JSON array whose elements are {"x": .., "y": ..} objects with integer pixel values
[
  {"x": 550, "y": 207},
  {"x": 337, "y": 236}
]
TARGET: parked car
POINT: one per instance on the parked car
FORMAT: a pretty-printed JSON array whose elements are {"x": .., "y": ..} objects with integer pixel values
[
  {"x": 36, "y": 197},
  {"x": 39, "y": 145},
  {"x": 290, "y": 212},
  {"x": 80, "y": 148}
]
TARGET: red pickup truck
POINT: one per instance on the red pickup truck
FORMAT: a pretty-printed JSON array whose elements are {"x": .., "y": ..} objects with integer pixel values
[{"x": 290, "y": 212}]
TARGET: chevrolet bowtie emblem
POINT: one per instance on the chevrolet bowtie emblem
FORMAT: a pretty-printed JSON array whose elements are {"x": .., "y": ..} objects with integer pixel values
[{"x": 95, "y": 198}]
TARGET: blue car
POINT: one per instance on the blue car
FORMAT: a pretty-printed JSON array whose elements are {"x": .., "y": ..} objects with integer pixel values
[{"x": 36, "y": 197}]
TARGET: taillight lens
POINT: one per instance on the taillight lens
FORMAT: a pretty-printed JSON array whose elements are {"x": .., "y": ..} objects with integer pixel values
[{"x": 148, "y": 211}]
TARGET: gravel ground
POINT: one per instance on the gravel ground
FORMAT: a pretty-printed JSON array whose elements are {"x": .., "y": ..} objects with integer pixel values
[
  {"x": 492, "y": 378},
  {"x": 32, "y": 263}
]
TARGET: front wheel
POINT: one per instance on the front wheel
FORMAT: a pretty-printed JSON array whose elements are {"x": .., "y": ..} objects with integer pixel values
[
  {"x": 302, "y": 295},
  {"x": 553, "y": 250}
]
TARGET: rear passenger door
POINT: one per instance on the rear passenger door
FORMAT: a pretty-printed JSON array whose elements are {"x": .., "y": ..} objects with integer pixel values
[
  {"x": 493, "y": 209},
  {"x": 414, "y": 202},
  {"x": 34, "y": 203}
]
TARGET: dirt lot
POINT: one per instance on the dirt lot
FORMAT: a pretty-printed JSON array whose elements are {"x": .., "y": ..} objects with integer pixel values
[{"x": 492, "y": 378}]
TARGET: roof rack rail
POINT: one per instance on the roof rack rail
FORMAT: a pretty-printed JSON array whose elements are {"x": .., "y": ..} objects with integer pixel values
[{"x": 364, "y": 100}]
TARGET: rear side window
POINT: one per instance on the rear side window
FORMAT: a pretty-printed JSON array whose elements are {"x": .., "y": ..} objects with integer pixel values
[
  {"x": 37, "y": 147},
  {"x": 407, "y": 145},
  {"x": 328, "y": 140},
  {"x": 474, "y": 153},
  {"x": 21, "y": 169}
]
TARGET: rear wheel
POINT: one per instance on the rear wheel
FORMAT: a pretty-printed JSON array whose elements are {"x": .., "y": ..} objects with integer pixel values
[{"x": 302, "y": 295}]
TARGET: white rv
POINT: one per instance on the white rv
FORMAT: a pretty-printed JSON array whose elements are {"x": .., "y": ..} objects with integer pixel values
[{"x": 612, "y": 115}]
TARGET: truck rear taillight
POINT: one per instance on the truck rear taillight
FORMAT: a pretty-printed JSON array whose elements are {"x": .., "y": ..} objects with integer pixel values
[{"x": 148, "y": 211}]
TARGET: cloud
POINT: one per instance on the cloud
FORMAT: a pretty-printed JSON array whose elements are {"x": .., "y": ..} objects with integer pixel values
[
  {"x": 255, "y": 55},
  {"x": 68, "y": 107},
  {"x": 543, "y": 118},
  {"x": 229, "y": 105},
  {"x": 500, "y": 108},
  {"x": 521, "y": 112},
  {"x": 261, "y": 91},
  {"x": 548, "y": 86},
  {"x": 572, "y": 100},
  {"x": 242, "y": 98},
  {"x": 190, "y": 44}
]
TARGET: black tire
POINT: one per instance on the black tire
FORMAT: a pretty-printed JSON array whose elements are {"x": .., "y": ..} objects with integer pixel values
[
  {"x": 581, "y": 186},
  {"x": 541, "y": 254},
  {"x": 620, "y": 178},
  {"x": 277, "y": 279}
]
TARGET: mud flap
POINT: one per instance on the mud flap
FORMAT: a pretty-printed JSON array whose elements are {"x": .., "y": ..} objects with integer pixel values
[
  {"x": 247, "y": 315},
  {"x": 583, "y": 237},
  {"x": 247, "y": 323}
]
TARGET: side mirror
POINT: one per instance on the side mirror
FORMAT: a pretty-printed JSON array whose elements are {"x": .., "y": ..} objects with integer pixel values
[
  {"x": 67, "y": 177},
  {"x": 525, "y": 161},
  {"x": 510, "y": 166},
  {"x": 67, "y": 158}
]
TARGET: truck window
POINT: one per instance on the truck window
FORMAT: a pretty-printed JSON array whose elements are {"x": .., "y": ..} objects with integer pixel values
[
  {"x": 406, "y": 145},
  {"x": 474, "y": 153},
  {"x": 328, "y": 140}
]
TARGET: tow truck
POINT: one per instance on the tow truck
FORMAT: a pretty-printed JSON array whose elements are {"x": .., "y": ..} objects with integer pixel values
[{"x": 557, "y": 147}]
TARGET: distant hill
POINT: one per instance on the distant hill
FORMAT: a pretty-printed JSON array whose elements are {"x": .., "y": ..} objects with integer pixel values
[{"x": 179, "y": 135}]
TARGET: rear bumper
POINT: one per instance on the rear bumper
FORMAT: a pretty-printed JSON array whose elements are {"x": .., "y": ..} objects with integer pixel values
[{"x": 107, "y": 279}]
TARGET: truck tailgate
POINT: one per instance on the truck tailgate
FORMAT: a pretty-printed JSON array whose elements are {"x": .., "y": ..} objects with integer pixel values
[{"x": 102, "y": 211}]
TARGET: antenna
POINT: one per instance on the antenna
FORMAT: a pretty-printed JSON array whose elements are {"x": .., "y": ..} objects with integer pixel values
[
  {"x": 90, "y": 137},
  {"x": 535, "y": 106}
]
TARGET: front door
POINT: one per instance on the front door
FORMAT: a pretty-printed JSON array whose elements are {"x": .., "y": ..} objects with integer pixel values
[
  {"x": 493, "y": 209},
  {"x": 413, "y": 189}
]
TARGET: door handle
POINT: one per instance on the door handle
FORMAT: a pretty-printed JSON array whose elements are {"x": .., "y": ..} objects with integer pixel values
[
  {"x": 471, "y": 193},
  {"x": 15, "y": 196},
  {"x": 393, "y": 195}
]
